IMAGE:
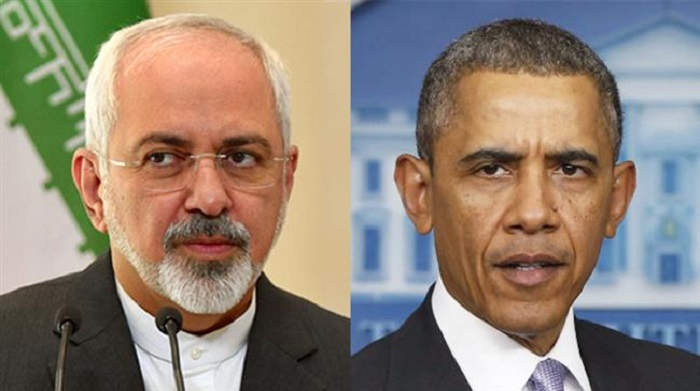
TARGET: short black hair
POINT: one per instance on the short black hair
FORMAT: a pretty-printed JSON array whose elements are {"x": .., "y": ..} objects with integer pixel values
[{"x": 511, "y": 46}]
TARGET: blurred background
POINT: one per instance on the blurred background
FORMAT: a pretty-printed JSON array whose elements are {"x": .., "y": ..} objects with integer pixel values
[
  {"x": 46, "y": 48},
  {"x": 646, "y": 283}
]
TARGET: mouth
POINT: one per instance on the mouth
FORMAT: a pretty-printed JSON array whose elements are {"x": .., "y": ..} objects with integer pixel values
[
  {"x": 530, "y": 270},
  {"x": 214, "y": 248}
]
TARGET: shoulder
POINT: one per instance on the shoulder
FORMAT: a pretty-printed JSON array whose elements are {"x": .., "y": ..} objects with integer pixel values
[
  {"x": 370, "y": 366},
  {"x": 397, "y": 361},
  {"x": 332, "y": 334},
  {"x": 27, "y": 339},
  {"x": 34, "y": 304},
  {"x": 326, "y": 325},
  {"x": 290, "y": 326},
  {"x": 285, "y": 317},
  {"x": 27, "y": 314},
  {"x": 600, "y": 336},
  {"x": 38, "y": 303},
  {"x": 648, "y": 362},
  {"x": 331, "y": 329}
]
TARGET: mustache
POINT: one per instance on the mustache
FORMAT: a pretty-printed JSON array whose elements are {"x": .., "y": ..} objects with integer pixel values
[{"x": 201, "y": 225}]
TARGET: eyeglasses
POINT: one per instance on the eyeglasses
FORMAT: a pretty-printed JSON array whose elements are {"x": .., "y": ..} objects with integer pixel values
[{"x": 168, "y": 171}]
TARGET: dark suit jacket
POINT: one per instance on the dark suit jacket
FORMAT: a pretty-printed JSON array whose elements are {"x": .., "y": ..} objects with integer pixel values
[
  {"x": 293, "y": 344},
  {"x": 416, "y": 358}
]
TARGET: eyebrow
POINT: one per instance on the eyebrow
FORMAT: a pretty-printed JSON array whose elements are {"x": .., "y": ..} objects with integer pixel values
[
  {"x": 494, "y": 154},
  {"x": 162, "y": 138},
  {"x": 176, "y": 141},
  {"x": 572, "y": 155},
  {"x": 246, "y": 140},
  {"x": 501, "y": 155}
]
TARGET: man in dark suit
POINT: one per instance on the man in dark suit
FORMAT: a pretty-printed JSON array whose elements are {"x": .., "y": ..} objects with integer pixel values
[
  {"x": 188, "y": 167},
  {"x": 519, "y": 131}
]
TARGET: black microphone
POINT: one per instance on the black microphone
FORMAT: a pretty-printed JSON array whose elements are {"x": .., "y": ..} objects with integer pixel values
[
  {"x": 66, "y": 322},
  {"x": 169, "y": 321}
]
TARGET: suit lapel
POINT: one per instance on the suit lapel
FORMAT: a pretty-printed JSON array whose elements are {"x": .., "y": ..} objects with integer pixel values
[
  {"x": 279, "y": 345},
  {"x": 606, "y": 370},
  {"x": 420, "y": 344},
  {"x": 101, "y": 355}
]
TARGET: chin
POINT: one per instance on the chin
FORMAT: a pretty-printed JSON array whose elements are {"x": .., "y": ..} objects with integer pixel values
[{"x": 527, "y": 322}]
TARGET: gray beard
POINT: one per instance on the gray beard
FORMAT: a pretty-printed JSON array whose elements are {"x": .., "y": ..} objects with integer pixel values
[{"x": 212, "y": 287}]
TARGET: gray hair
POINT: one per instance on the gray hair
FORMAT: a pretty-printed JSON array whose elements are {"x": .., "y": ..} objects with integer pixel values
[
  {"x": 100, "y": 97},
  {"x": 511, "y": 46}
]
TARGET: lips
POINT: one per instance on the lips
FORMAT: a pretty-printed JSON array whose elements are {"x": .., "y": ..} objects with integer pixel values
[
  {"x": 206, "y": 247},
  {"x": 213, "y": 241},
  {"x": 530, "y": 270}
]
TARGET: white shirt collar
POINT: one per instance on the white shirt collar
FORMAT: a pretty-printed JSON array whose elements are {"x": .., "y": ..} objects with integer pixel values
[
  {"x": 485, "y": 354},
  {"x": 213, "y": 348}
]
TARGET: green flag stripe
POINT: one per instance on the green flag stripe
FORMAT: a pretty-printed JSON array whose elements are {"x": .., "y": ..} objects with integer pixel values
[{"x": 44, "y": 45}]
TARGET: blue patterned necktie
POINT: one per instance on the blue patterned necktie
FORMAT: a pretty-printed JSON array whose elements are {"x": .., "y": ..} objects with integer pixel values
[{"x": 548, "y": 376}]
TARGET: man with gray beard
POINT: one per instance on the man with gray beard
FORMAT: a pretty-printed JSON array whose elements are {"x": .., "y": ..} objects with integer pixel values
[{"x": 188, "y": 167}]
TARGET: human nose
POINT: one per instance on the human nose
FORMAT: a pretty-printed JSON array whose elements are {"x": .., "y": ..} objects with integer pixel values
[
  {"x": 533, "y": 207},
  {"x": 206, "y": 192}
]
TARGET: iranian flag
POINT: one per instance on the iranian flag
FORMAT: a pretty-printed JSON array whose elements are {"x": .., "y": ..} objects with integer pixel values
[{"x": 46, "y": 48}]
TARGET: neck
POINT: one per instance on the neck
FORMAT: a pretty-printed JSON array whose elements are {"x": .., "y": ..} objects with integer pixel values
[
  {"x": 151, "y": 301},
  {"x": 541, "y": 343}
]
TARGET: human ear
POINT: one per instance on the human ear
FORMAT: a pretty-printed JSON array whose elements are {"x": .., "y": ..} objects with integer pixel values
[
  {"x": 87, "y": 180},
  {"x": 291, "y": 169},
  {"x": 413, "y": 177},
  {"x": 624, "y": 183}
]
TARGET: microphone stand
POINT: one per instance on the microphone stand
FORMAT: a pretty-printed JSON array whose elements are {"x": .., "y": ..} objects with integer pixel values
[
  {"x": 172, "y": 330},
  {"x": 169, "y": 321},
  {"x": 66, "y": 321},
  {"x": 66, "y": 329}
]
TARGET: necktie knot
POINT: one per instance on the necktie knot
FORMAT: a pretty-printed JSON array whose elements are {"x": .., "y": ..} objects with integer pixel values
[{"x": 548, "y": 376}]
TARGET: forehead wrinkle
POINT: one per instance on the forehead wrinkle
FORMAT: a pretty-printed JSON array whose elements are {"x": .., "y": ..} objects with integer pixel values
[
  {"x": 141, "y": 55},
  {"x": 542, "y": 111},
  {"x": 478, "y": 90},
  {"x": 146, "y": 49},
  {"x": 537, "y": 140}
]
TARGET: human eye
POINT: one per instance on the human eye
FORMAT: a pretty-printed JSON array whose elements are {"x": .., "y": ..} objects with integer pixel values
[
  {"x": 572, "y": 170},
  {"x": 491, "y": 170},
  {"x": 162, "y": 159},
  {"x": 241, "y": 159}
]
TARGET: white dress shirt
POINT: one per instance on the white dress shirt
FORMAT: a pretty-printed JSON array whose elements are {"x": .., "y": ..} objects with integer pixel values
[
  {"x": 209, "y": 362},
  {"x": 492, "y": 361}
]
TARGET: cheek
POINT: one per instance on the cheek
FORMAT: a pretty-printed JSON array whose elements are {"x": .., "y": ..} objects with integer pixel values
[
  {"x": 464, "y": 224},
  {"x": 145, "y": 218},
  {"x": 585, "y": 219},
  {"x": 259, "y": 214},
  {"x": 151, "y": 217}
]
